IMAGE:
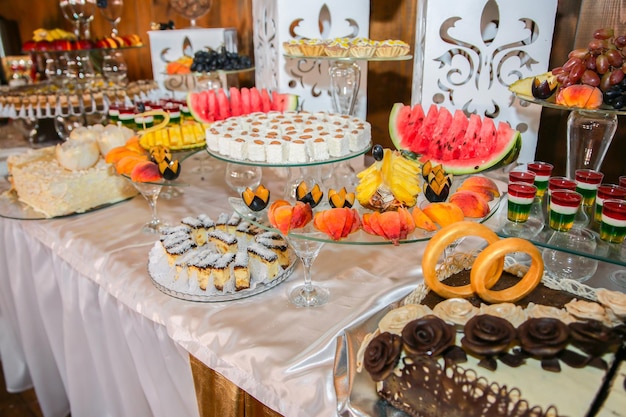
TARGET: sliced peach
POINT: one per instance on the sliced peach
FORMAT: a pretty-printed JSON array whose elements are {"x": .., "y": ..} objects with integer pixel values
[
  {"x": 145, "y": 171},
  {"x": 444, "y": 214},
  {"x": 337, "y": 222},
  {"x": 471, "y": 203},
  {"x": 127, "y": 163},
  {"x": 286, "y": 217},
  {"x": 392, "y": 225},
  {"x": 482, "y": 185},
  {"x": 580, "y": 95},
  {"x": 422, "y": 221}
]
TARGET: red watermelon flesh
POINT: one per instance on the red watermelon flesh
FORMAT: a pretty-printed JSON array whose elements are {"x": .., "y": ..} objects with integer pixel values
[
  {"x": 223, "y": 105},
  {"x": 266, "y": 101},
  {"x": 198, "y": 101},
  {"x": 284, "y": 102},
  {"x": 409, "y": 121},
  {"x": 456, "y": 133},
  {"x": 439, "y": 138},
  {"x": 425, "y": 133},
  {"x": 487, "y": 138},
  {"x": 235, "y": 101},
  {"x": 255, "y": 100},
  {"x": 472, "y": 134},
  {"x": 245, "y": 101}
]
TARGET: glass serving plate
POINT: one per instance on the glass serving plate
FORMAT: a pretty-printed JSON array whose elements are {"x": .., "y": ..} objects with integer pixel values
[
  {"x": 331, "y": 160},
  {"x": 12, "y": 208},
  {"x": 163, "y": 277},
  {"x": 360, "y": 237}
]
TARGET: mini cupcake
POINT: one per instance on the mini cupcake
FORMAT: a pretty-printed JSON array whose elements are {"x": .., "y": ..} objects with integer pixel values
[
  {"x": 292, "y": 47},
  {"x": 391, "y": 48},
  {"x": 362, "y": 48},
  {"x": 313, "y": 47},
  {"x": 337, "y": 48}
]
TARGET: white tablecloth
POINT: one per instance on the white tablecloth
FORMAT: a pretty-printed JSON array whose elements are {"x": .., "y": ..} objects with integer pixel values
[{"x": 81, "y": 321}]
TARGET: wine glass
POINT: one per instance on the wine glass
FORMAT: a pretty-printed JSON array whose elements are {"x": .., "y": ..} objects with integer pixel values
[
  {"x": 114, "y": 69},
  {"x": 307, "y": 243},
  {"x": 68, "y": 14},
  {"x": 80, "y": 13},
  {"x": 150, "y": 191},
  {"x": 238, "y": 177},
  {"x": 191, "y": 9},
  {"x": 111, "y": 10}
]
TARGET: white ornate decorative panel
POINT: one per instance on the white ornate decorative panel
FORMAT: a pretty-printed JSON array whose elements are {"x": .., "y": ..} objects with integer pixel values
[
  {"x": 469, "y": 51},
  {"x": 278, "y": 21}
]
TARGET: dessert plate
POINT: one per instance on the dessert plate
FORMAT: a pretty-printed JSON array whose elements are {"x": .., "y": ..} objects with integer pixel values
[
  {"x": 12, "y": 208},
  {"x": 176, "y": 284}
]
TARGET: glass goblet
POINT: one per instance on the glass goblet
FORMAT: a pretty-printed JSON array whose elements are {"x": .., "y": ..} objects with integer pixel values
[
  {"x": 191, "y": 9},
  {"x": 150, "y": 191},
  {"x": 114, "y": 68},
  {"x": 111, "y": 10},
  {"x": 238, "y": 177},
  {"x": 307, "y": 243},
  {"x": 68, "y": 14}
]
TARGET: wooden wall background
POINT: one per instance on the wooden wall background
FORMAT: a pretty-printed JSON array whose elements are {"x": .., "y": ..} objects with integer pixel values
[{"x": 386, "y": 84}]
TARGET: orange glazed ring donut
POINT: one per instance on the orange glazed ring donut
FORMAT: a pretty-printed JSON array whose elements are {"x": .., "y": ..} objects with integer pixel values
[
  {"x": 440, "y": 241},
  {"x": 483, "y": 265}
]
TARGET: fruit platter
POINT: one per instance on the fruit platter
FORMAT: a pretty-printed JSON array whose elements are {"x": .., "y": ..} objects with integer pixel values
[{"x": 592, "y": 78}]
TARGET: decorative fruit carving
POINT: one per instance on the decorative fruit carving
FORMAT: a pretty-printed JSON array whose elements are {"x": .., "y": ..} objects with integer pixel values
[
  {"x": 580, "y": 95},
  {"x": 392, "y": 225},
  {"x": 311, "y": 197},
  {"x": 436, "y": 182},
  {"x": 482, "y": 185},
  {"x": 544, "y": 88},
  {"x": 471, "y": 203},
  {"x": 337, "y": 222},
  {"x": 388, "y": 183},
  {"x": 444, "y": 214},
  {"x": 256, "y": 200},
  {"x": 340, "y": 198},
  {"x": 146, "y": 171},
  {"x": 285, "y": 217}
]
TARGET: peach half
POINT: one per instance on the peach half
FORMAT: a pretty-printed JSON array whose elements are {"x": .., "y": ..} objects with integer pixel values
[
  {"x": 471, "y": 203},
  {"x": 286, "y": 217},
  {"x": 580, "y": 95},
  {"x": 338, "y": 222}
]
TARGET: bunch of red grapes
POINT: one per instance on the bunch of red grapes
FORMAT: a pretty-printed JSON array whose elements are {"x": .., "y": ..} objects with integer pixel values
[{"x": 602, "y": 64}]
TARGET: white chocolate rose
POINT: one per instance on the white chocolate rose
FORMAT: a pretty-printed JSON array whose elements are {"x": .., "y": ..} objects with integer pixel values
[
  {"x": 614, "y": 301},
  {"x": 508, "y": 311},
  {"x": 77, "y": 155},
  {"x": 587, "y": 310},
  {"x": 395, "y": 320},
  {"x": 538, "y": 311},
  {"x": 455, "y": 311},
  {"x": 84, "y": 133}
]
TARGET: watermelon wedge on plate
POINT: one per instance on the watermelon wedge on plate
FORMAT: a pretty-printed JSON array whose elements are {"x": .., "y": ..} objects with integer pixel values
[
  {"x": 461, "y": 144},
  {"x": 208, "y": 106}
]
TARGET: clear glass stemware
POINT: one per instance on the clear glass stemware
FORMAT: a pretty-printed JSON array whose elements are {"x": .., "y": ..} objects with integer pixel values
[
  {"x": 111, "y": 10},
  {"x": 150, "y": 191},
  {"x": 238, "y": 177},
  {"x": 191, "y": 9},
  {"x": 307, "y": 244}
]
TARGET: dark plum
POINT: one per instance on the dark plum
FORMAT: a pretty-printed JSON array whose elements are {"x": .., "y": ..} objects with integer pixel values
[{"x": 542, "y": 89}]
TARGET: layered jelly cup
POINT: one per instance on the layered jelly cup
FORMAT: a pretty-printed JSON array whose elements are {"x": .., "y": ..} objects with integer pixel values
[
  {"x": 564, "y": 204},
  {"x": 613, "y": 226},
  {"x": 587, "y": 183},
  {"x": 520, "y": 199},
  {"x": 543, "y": 171}
]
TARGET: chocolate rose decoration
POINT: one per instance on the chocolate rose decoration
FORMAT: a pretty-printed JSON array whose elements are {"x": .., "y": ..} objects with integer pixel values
[
  {"x": 593, "y": 337},
  {"x": 487, "y": 335},
  {"x": 428, "y": 335},
  {"x": 382, "y": 355},
  {"x": 543, "y": 337}
]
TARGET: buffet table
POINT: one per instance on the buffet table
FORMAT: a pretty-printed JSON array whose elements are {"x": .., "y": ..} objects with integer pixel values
[{"x": 82, "y": 322}]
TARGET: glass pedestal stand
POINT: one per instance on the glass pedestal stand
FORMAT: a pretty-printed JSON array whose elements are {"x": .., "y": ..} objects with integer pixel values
[{"x": 589, "y": 135}]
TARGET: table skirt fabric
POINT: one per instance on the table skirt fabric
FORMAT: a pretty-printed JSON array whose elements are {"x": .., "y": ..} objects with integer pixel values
[{"x": 76, "y": 344}]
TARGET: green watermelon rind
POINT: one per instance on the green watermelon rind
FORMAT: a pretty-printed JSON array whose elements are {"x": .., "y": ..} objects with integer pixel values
[{"x": 506, "y": 156}]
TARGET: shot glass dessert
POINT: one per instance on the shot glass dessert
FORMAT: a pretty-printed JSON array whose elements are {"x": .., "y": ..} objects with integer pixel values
[
  {"x": 613, "y": 226},
  {"x": 520, "y": 200},
  {"x": 607, "y": 192},
  {"x": 564, "y": 204},
  {"x": 622, "y": 181},
  {"x": 543, "y": 171},
  {"x": 587, "y": 183},
  {"x": 522, "y": 176}
]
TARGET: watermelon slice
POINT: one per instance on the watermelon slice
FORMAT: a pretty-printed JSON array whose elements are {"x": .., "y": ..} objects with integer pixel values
[
  {"x": 235, "y": 101},
  {"x": 460, "y": 144},
  {"x": 208, "y": 106}
]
